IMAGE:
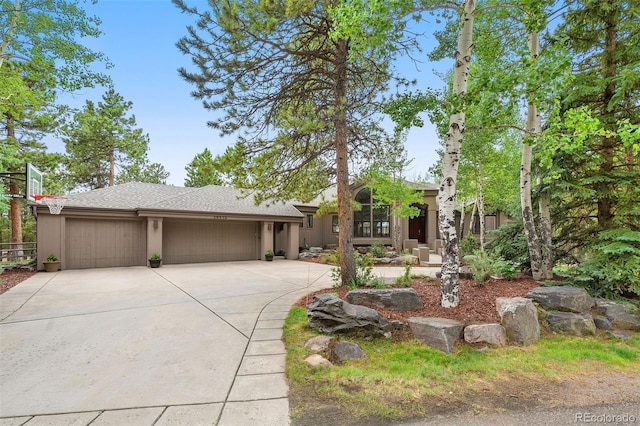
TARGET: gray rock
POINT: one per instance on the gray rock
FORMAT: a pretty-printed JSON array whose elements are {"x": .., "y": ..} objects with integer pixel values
[
  {"x": 398, "y": 325},
  {"x": 520, "y": 319},
  {"x": 383, "y": 260},
  {"x": 316, "y": 360},
  {"x": 619, "y": 314},
  {"x": 602, "y": 323},
  {"x": 621, "y": 335},
  {"x": 571, "y": 323},
  {"x": 318, "y": 343},
  {"x": 398, "y": 299},
  {"x": 316, "y": 249},
  {"x": 330, "y": 314},
  {"x": 494, "y": 334},
  {"x": 562, "y": 298},
  {"x": 438, "y": 333},
  {"x": 308, "y": 255},
  {"x": 347, "y": 350}
]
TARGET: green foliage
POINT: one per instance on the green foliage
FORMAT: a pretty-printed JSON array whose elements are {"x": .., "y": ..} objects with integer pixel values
[
  {"x": 203, "y": 171},
  {"x": 155, "y": 256},
  {"x": 503, "y": 268},
  {"x": 481, "y": 267},
  {"x": 611, "y": 267},
  {"x": 102, "y": 138},
  {"x": 377, "y": 249},
  {"x": 509, "y": 243},
  {"x": 364, "y": 272},
  {"x": 52, "y": 258},
  {"x": 404, "y": 280},
  {"x": 468, "y": 245},
  {"x": 269, "y": 253}
]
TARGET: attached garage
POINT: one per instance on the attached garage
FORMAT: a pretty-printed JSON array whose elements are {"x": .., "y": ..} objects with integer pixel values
[
  {"x": 101, "y": 243},
  {"x": 124, "y": 225},
  {"x": 205, "y": 241}
]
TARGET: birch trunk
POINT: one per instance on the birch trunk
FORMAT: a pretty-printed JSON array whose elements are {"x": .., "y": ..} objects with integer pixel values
[
  {"x": 481, "y": 207},
  {"x": 534, "y": 129},
  {"x": 546, "y": 246},
  {"x": 345, "y": 214},
  {"x": 473, "y": 214},
  {"x": 447, "y": 193}
]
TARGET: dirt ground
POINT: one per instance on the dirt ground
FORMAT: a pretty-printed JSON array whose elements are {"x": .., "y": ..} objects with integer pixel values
[
  {"x": 13, "y": 277},
  {"x": 510, "y": 394}
]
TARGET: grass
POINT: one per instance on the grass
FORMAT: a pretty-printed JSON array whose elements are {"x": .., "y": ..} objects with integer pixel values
[{"x": 394, "y": 376}]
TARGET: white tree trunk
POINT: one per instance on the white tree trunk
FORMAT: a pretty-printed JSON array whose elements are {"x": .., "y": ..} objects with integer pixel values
[
  {"x": 447, "y": 194},
  {"x": 534, "y": 129},
  {"x": 473, "y": 214},
  {"x": 481, "y": 207},
  {"x": 546, "y": 249}
]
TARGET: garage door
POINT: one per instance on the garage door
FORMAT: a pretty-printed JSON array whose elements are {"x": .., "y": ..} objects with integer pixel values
[
  {"x": 103, "y": 243},
  {"x": 200, "y": 241}
]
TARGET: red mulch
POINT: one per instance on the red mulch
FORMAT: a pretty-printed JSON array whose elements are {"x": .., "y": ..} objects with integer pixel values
[
  {"x": 477, "y": 304},
  {"x": 13, "y": 277}
]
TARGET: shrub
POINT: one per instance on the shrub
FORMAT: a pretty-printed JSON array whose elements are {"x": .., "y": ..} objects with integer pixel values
[
  {"x": 481, "y": 267},
  {"x": 611, "y": 268},
  {"x": 377, "y": 249},
  {"x": 404, "y": 280},
  {"x": 468, "y": 245},
  {"x": 503, "y": 268},
  {"x": 510, "y": 243},
  {"x": 52, "y": 258}
]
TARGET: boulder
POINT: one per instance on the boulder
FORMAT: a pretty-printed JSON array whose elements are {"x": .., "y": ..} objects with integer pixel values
[
  {"x": 316, "y": 360},
  {"x": 520, "y": 319},
  {"x": 602, "y": 323},
  {"x": 619, "y": 314},
  {"x": 318, "y": 344},
  {"x": 571, "y": 323},
  {"x": 316, "y": 249},
  {"x": 397, "y": 299},
  {"x": 494, "y": 334},
  {"x": 347, "y": 350},
  {"x": 330, "y": 314},
  {"x": 621, "y": 335},
  {"x": 438, "y": 333},
  {"x": 562, "y": 298}
]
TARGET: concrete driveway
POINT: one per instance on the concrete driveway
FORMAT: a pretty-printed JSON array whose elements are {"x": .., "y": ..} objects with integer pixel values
[{"x": 182, "y": 344}]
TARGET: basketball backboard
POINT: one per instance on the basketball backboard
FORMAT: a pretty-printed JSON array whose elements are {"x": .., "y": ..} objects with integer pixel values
[{"x": 34, "y": 183}]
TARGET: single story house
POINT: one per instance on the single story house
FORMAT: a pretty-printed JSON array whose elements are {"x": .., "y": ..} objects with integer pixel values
[{"x": 124, "y": 225}]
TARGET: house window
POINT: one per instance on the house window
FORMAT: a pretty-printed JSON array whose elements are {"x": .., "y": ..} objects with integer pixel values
[
  {"x": 371, "y": 220},
  {"x": 334, "y": 224},
  {"x": 309, "y": 221}
]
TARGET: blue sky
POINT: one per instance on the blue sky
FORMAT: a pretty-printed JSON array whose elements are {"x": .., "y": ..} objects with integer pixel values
[{"x": 139, "y": 39}]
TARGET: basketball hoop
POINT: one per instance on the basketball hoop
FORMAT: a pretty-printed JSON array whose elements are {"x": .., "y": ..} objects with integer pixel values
[{"x": 54, "y": 202}]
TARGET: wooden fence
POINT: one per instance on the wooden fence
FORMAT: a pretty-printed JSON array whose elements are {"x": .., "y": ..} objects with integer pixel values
[{"x": 18, "y": 252}]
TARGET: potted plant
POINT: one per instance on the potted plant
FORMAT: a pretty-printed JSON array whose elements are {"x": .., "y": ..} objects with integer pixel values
[
  {"x": 52, "y": 264},
  {"x": 268, "y": 255},
  {"x": 154, "y": 260}
]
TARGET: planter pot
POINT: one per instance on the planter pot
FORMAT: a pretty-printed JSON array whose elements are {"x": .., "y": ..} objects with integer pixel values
[
  {"x": 51, "y": 266},
  {"x": 155, "y": 263},
  {"x": 268, "y": 257}
]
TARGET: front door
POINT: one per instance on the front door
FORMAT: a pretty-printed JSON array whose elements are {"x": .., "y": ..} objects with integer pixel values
[{"x": 418, "y": 227}]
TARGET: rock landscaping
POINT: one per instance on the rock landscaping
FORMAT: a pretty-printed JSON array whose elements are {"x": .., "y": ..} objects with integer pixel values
[{"x": 556, "y": 309}]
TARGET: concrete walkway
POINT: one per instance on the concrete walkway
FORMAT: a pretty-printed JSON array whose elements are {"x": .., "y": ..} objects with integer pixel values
[{"x": 178, "y": 345}]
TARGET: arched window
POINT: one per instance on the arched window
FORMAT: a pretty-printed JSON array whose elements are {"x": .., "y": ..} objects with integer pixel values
[{"x": 371, "y": 220}]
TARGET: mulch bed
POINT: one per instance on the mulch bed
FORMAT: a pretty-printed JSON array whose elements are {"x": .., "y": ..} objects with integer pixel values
[
  {"x": 477, "y": 304},
  {"x": 12, "y": 277}
]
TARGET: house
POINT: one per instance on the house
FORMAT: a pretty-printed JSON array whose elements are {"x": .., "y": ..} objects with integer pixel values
[{"x": 124, "y": 224}]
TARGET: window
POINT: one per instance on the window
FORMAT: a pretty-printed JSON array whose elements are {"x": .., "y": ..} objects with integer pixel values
[
  {"x": 334, "y": 224},
  {"x": 371, "y": 220},
  {"x": 309, "y": 221}
]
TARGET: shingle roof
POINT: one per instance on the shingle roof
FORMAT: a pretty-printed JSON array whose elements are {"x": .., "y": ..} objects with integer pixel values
[{"x": 150, "y": 196}]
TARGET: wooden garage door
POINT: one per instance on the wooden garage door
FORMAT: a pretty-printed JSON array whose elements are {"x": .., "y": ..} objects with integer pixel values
[
  {"x": 101, "y": 243},
  {"x": 200, "y": 241}
]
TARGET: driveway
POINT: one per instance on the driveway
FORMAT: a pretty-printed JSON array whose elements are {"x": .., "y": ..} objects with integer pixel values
[{"x": 181, "y": 344}]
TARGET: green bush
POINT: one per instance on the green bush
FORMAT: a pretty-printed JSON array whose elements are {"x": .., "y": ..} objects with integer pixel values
[
  {"x": 503, "y": 268},
  {"x": 468, "y": 245},
  {"x": 510, "y": 243},
  {"x": 404, "y": 280},
  {"x": 364, "y": 272},
  {"x": 611, "y": 268},
  {"x": 378, "y": 250},
  {"x": 481, "y": 267}
]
